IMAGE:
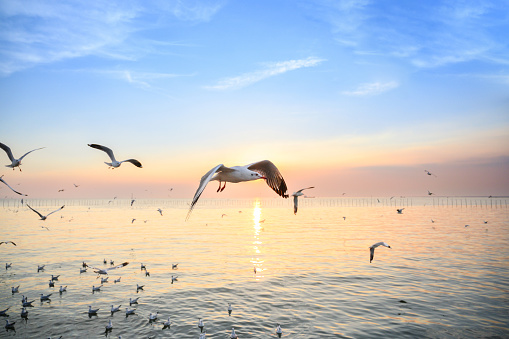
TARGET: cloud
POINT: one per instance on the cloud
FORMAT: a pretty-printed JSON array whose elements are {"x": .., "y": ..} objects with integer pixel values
[
  {"x": 271, "y": 69},
  {"x": 373, "y": 88}
]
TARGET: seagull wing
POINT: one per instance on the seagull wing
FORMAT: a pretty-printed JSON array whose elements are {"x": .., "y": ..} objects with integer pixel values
[
  {"x": 273, "y": 177},
  {"x": 7, "y": 150},
  {"x": 104, "y": 149},
  {"x": 295, "y": 204},
  {"x": 304, "y": 189},
  {"x": 35, "y": 211},
  {"x": 118, "y": 266},
  {"x": 24, "y": 155},
  {"x": 12, "y": 189},
  {"x": 55, "y": 211},
  {"x": 371, "y": 253},
  {"x": 132, "y": 161},
  {"x": 203, "y": 183}
]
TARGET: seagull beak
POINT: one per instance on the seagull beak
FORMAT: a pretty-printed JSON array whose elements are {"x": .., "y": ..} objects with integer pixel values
[{"x": 263, "y": 178}]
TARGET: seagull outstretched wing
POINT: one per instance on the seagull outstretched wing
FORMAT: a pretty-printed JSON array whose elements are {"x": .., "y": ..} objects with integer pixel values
[
  {"x": 272, "y": 175},
  {"x": 12, "y": 189}
]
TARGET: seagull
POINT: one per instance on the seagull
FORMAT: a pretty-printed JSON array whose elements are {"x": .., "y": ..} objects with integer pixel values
[
  {"x": 112, "y": 262},
  {"x": 24, "y": 313},
  {"x": 4, "y": 312},
  {"x": 400, "y": 210},
  {"x": 138, "y": 287},
  {"x": 27, "y": 303},
  {"x": 63, "y": 289},
  {"x": 133, "y": 301},
  {"x": 167, "y": 323},
  {"x": 104, "y": 280},
  {"x": 296, "y": 196},
  {"x": 230, "y": 309},
  {"x": 8, "y": 265},
  {"x": 109, "y": 327},
  {"x": 96, "y": 289},
  {"x": 147, "y": 273},
  {"x": 174, "y": 266},
  {"x": 45, "y": 227},
  {"x": 12, "y": 189},
  {"x": 129, "y": 312},
  {"x": 46, "y": 216},
  {"x": 83, "y": 270},
  {"x": 202, "y": 335},
  {"x": 92, "y": 311},
  {"x": 117, "y": 280},
  {"x": 160, "y": 211},
  {"x": 233, "y": 335},
  {"x": 200, "y": 325},
  {"x": 104, "y": 261},
  {"x": 258, "y": 170},
  {"x": 40, "y": 268},
  {"x": 12, "y": 242},
  {"x": 114, "y": 163},
  {"x": 76, "y": 185},
  {"x": 51, "y": 283},
  {"x": 174, "y": 278},
  {"x": 84, "y": 264},
  {"x": 105, "y": 270},
  {"x": 152, "y": 317},
  {"x": 54, "y": 277},
  {"x": 132, "y": 221},
  {"x": 115, "y": 309},
  {"x": 430, "y": 193},
  {"x": 429, "y": 173},
  {"x": 15, "y": 289},
  {"x": 279, "y": 331},
  {"x": 8, "y": 325},
  {"x": 372, "y": 249},
  {"x": 45, "y": 297},
  {"x": 15, "y": 162},
  {"x": 143, "y": 267}
]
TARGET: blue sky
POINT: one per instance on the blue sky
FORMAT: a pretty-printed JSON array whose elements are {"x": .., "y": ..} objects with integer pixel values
[{"x": 334, "y": 92}]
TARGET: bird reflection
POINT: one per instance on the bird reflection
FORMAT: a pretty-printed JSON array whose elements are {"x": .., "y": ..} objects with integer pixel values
[{"x": 257, "y": 263}]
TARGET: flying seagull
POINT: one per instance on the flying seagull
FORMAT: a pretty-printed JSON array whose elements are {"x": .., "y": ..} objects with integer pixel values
[
  {"x": 7, "y": 242},
  {"x": 105, "y": 270},
  {"x": 429, "y": 173},
  {"x": 296, "y": 196},
  {"x": 259, "y": 170},
  {"x": 43, "y": 217},
  {"x": 114, "y": 163},
  {"x": 372, "y": 249},
  {"x": 12, "y": 189},
  {"x": 15, "y": 162}
]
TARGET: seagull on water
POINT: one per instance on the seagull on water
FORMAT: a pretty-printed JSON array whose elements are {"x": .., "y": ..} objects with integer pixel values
[
  {"x": 51, "y": 283},
  {"x": 115, "y": 309},
  {"x": 15, "y": 162},
  {"x": 133, "y": 301},
  {"x": 160, "y": 211},
  {"x": 138, "y": 287},
  {"x": 109, "y": 327},
  {"x": 82, "y": 270},
  {"x": 129, "y": 312},
  {"x": 96, "y": 289},
  {"x": 12, "y": 189},
  {"x": 45, "y": 297},
  {"x": 104, "y": 280},
  {"x": 8, "y": 325},
  {"x": 152, "y": 317},
  {"x": 43, "y": 217},
  {"x": 296, "y": 196},
  {"x": 27, "y": 303},
  {"x": 4, "y": 312},
  {"x": 92, "y": 311},
  {"x": 400, "y": 210},
  {"x": 279, "y": 331},
  {"x": 114, "y": 163},
  {"x": 117, "y": 280},
  {"x": 230, "y": 309},
  {"x": 233, "y": 335},
  {"x": 174, "y": 266},
  {"x": 8, "y": 265},
  {"x": 258, "y": 170},
  {"x": 174, "y": 278},
  {"x": 40, "y": 268},
  {"x": 15, "y": 289},
  {"x": 24, "y": 313},
  {"x": 132, "y": 221},
  {"x": 372, "y": 249},
  {"x": 105, "y": 270},
  {"x": 54, "y": 277},
  {"x": 167, "y": 323},
  {"x": 143, "y": 267},
  {"x": 63, "y": 289},
  {"x": 12, "y": 242},
  {"x": 200, "y": 325}
]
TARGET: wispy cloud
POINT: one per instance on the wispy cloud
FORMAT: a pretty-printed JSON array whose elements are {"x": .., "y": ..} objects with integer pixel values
[
  {"x": 270, "y": 70},
  {"x": 373, "y": 88}
]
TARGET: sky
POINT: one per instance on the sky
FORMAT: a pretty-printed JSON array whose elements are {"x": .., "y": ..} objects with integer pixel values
[{"x": 351, "y": 96}]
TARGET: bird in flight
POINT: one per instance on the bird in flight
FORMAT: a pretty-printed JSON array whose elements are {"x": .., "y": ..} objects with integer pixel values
[
  {"x": 15, "y": 162},
  {"x": 372, "y": 249},
  {"x": 44, "y": 217},
  {"x": 296, "y": 196},
  {"x": 8, "y": 242},
  {"x": 105, "y": 270},
  {"x": 429, "y": 173},
  {"x": 264, "y": 169},
  {"x": 12, "y": 189},
  {"x": 114, "y": 163}
]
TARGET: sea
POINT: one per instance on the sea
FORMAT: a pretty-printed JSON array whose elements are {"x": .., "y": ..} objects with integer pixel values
[{"x": 445, "y": 275}]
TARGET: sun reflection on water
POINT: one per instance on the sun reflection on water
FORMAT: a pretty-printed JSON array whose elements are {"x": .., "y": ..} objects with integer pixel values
[{"x": 256, "y": 260}]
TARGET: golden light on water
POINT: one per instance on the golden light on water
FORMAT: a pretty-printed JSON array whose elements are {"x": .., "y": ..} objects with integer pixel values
[{"x": 256, "y": 260}]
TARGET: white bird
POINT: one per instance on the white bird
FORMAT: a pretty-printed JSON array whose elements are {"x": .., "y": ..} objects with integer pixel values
[
  {"x": 114, "y": 163},
  {"x": 105, "y": 270},
  {"x": 12, "y": 242},
  {"x": 258, "y": 170},
  {"x": 15, "y": 162},
  {"x": 15, "y": 289},
  {"x": 202, "y": 335},
  {"x": 12, "y": 189},
  {"x": 45, "y": 297},
  {"x": 51, "y": 283},
  {"x": 152, "y": 317},
  {"x": 174, "y": 266},
  {"x": 115, "y": 309},
  {"x": 4, "y": 312},
  {"x": 129, "y": 312},
  {"x": 160, "y": 211},
  {"x": 372, "y": 249},
  {"x": 296, "y": 196},
  {"x": 92, "y": 311},
  {"x": 24, "y": 313},
  {"x": 117, "y": 280},
  {"x": 174, "y": 278},
  {"x": 43, "y": 217},
  {"x": 40, "y": 268},
  {"x": 138, "y": 287},
  {"x": 400, "y": 210},
  {"x": 8, "y": 325},
  {"x": 167, "y": 323},
  {"x": 279, "y": 331},
  {"x": 109, "y": 327},
  {"x": 8, "y": 265},
  {"x": 133, "y": 301},
  {"x": 54, "y": 277},
  {"x": 96, "y": 289},
  {"x": 63, "y": 289},
  {"x": 104, "y": 280},
  {"x": 200, "y": 325},
  {"x": 230, "y": 309},
  {"x": 27, "y": 303},
  {"x": 233, "y": 335}
]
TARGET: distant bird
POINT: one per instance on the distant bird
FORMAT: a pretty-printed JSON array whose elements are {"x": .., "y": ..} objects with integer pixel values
[
  {"x": 15, "y": 289},
  {"x": 132, "y": 201},
  {"x": 27, "y": 303},
  {"x": 15, "y": 162},
  {"x": 96, "y": 289},
  {"x": 200, "y": 325},
  {"x": 115, "y": 309},
  {"x": 174, "y": 278},
  {"x": 296, "y": 196},
  {"x": 143, "y": 267},
  {"x": 202, "y": 335},
  {"x": 138, "y": 287},
  {"x": 372, "y": 249},
  {"x": 279, "y": 331},
  {"x": 174, "y": 266},
  {"x": 40, "y": 268},
  {"x": 104, "y": 261},
  {"x": 429, "y": 173},
  {"x": 133, "y": 301},
  {"x": 55, "y": 277},
  {"x": 4, "y": 312},
  {"x": 147, "y": 273},
  {"x": 432, "y": 221},
  {"x": 46, "y": 297},
  {"x": 12, "y": 189},
  {"x": 114, "y": 163},
  {"x": 12, "y": 242},
  {"x": 8, "y": 325},
  {"x": 76, "y": 185},
  {"x": 61, "y": 190},
  {"x": 400, "y": 210},
  {"x": 152, "y": 317},
  {"x": 160, "y": 211},
  {"x": 133, "y": 220},
  {"x": 233, "y": 335},
  {"x": 167, "y": 323},
  {"x": 109, "y": 327},
  {"x": 430, "y": 193},
  {"x": 117, "y": 280},
  {"x": 62, "y": 289},
  {"x": 230, "y": 309},
  {"x": 485, "y": 221},
  {"x": 129, "y": 312},
  {"x": 105, "y": 270},
  {"x": 45, "y": 228},
  {"x": 84, "y": 264},
  {"x": 51, "y": 283},
  {"x": 83, "y": 270},
  {"x": 8, "y": 265},
  {"x": 112, "y": 262},
  {"x": 24, "y": 313},
  {"x": 258, "y": 170},
  {"x": 254, "y": 269},
  {"x": 92, "y": 311},
  {"x": 104, "y": 280},
  {"x": 43, "y": 217}
]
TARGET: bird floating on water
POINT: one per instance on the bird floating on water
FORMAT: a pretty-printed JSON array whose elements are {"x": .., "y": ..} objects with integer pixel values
[
  {"x": 174, "y": 278},
  {"x": 233, "y": 335},
  {"x": 152, "y": 317},
  {"x": 117, "y": 280},
  {"x": 15, "y": 162},
  {"x": 230, "y": 309},
  {"x": 44, "y": 217},
  {"x": 296, "y": 196},
  {"x": 114, "y": 163},
  {"x": 4, "y": 312},
  {"x": 8, "y": 265},
  {"x": 200, "y": 325},
  {"x": 24, "y": 313},
  {"x": 167, "y": 324},
  {"x": 8, "y": 325},
  {"x": 174, "y": 266},
  {"x": 15, "y": 289},
  {"x": 138, "y": 287},
  {"x": 46, "y": 297},
  {"x": 40, "y": 268},
  {"x": 279, "y": 331},
  {"x": 372, "y": 249},
  {"x": 55, "y": 277},
  {"x": 12, "y": 189},
  {"x": 96, "y": 289},
  {"x": 92, "y": 311},
  {"x": 160, "y": 211},
  {"x": 109, "y": 327},
  {"x": 115, "y": 309},
  {"x": 258, "y": 170},
  {"x": 63, "y": 289},
  {"x": 400, "y": 210},
  {"x": 133, "y": 301},
  {"x": 129, "y": 312},
  {"x": 104, "y": 280},
  {"x": 51, "y": 283}
]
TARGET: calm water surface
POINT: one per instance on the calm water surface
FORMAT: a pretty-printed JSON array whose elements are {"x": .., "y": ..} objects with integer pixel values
[{"x": 441, "y": 279}]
